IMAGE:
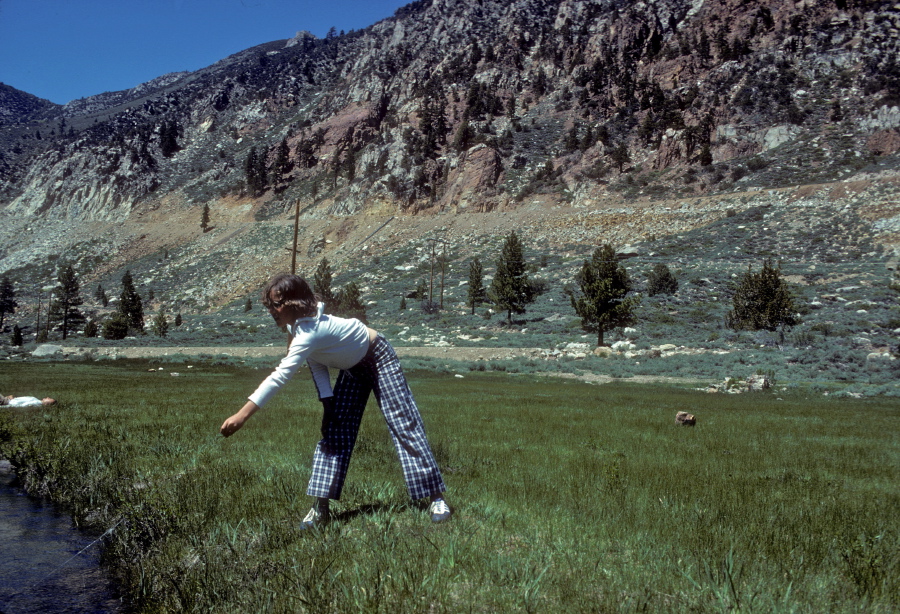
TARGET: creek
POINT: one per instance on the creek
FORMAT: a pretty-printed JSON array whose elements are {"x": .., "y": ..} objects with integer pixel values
[{"x": 42, "y": 566}]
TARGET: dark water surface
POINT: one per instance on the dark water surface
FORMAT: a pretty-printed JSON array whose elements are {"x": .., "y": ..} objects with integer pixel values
[{"x": 37, "y": 570}]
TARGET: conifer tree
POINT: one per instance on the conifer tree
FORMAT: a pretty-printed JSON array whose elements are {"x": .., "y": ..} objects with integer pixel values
[
  {"x": 115, "y": 327},
  {"x": 100, "y": 296},
  {"x": 475, "y": 293},
  {"x": 619, "y": 155},
  {"x": 510, "y": 288},
  {"x": 661, "y": 281},
  {"x": 204, "y": 218},
  {"x": 130, "y": 305},
  {"x": 762, "y": 301},
  {"x": 464, "y": 135},
  {"x": 250, "y": 170},
  {"x": 255, "y": 172},
  {"x": 433, "y": 120},
  {"x": 262, "y": 172},
  {"x": 603, "y": 303},
  {"x": 91, "y": 329},
  {"x": 282, "y": 162},
  {"x": 349, "y": 302},
  {"x": 161, "y": 324},
  {"x": 17, "y": 338},
  {"x": 168, "y": 138},
  {"x": 421, "y": 290},
  {"x": 322, "y": 284},
  {"x": 8, "y": 302},
  {"x": 68, "y": 299}
]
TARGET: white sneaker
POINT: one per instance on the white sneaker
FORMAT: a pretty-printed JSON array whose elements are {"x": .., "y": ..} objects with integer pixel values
[
  {"x": 314, "y": 519},
  {"x": 439, "y": 510}
]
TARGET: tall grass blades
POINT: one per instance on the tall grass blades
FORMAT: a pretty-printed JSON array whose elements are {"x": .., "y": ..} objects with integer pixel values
[{"x": 567, "y": 497}]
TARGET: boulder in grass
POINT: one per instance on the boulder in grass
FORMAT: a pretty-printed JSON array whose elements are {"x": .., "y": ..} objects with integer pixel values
[
  {"x": 683, "y": 418},
  {"x": 47, "y": 349},
  {"x": 758, "y": 382}
]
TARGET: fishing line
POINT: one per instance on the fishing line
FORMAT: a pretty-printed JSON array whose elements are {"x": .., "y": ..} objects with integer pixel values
[
  {"x": 211, "y": 441},
  {"x": 66, "y": 562}
]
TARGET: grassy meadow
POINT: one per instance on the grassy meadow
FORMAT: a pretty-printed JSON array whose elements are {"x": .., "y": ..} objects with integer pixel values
[{"x": 567, "y": 496}]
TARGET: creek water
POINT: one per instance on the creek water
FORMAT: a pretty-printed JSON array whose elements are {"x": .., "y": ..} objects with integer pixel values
[{"x": 42, "y": 568}]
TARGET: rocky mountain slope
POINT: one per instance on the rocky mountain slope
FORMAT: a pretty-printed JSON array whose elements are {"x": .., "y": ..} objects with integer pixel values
[{"x": 574, "y": 121}]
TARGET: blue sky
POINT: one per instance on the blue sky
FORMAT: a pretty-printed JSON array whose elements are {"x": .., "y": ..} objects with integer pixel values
[{"x": 61, "y": 50}]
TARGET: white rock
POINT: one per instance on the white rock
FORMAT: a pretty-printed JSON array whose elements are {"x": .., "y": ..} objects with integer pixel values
[
  {"x": 623, "y": 346},
  {"x": 47, "y": 349}
]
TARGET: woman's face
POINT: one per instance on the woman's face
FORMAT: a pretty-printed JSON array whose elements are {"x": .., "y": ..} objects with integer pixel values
[{"x": 281, "y": 313}]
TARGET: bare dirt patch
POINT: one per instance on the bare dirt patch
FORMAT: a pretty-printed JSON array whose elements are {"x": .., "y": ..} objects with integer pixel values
[{"x": 449, "y": 353}]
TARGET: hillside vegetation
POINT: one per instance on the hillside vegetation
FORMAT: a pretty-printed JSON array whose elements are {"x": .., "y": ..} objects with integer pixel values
[{"x": 707, "y": 137}]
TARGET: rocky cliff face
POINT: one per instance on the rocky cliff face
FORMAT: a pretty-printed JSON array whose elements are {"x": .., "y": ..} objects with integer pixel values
[
  {"x": 454, "y": 104},
  {"x": 573, "y": 121}
]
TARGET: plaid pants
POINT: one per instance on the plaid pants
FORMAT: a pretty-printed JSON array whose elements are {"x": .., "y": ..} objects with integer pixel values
[{"x": 378, "y": 372}]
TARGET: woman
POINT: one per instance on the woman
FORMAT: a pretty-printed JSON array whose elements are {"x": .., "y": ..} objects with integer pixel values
[{"x": 367, "y": 363}]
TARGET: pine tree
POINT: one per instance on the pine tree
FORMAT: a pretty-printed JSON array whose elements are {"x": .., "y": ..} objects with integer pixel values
[
  {"x": 421, "y": 290},
  {"x": 204, "y": 218},
  {"x": 349, "y": 302},
  {"x": 322, "y": 285},
  {"x": 250, "y": 166},
  {"x": 433, "y": 121},
  {"x": 130, "y": 305},
  {"x": 116, "y": 327},
  {"x": 262, "y": 172},
  {"x": 762, "y": 301},
  {"x": 464, "y": 135},
  {"x": 476, "y": 292},
  {"x": 68, "y": 299},
  {"x": 603, "y": 303},
  {"x": 572, "y": 140},
  {"x": 248, "y": 306},
  {"x": 100, "y": 296},
  {"x": 349, "y": 164},
  {"x": 91, "y": 329},
  {"x": 168, "y": 138},
  {"x": 661, "y": 281},
  {"x": 402, "y": 303},
  {"x": 282, "y": 164},
  {"x": 178, "y": 319},
  {"x": 17, "y": 338},
  {"x": 619, "y": 155},
  {"x": 160, "y": 324},
  {"x": 510, "y": 288},
  {"x": 8, "y": 302},
  {"x": 256, "y": 172}
]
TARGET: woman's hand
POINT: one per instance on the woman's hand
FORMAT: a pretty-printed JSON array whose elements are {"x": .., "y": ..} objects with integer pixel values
[{"x": 233, "y": 424}]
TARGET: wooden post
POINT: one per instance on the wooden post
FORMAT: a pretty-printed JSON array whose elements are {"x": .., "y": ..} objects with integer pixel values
[
  {"x": 443, "y": 264},
  {"x": 37, "y": 326},
  {"x": 294, "y": 249},
  {"x": 431, "y": 280}
]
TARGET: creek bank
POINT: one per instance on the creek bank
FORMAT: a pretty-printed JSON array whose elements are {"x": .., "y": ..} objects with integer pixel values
[{"x": 49, "y": 566}]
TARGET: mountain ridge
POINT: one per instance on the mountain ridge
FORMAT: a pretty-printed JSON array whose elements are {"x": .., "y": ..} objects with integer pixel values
[{"x": 451, "y": 107}]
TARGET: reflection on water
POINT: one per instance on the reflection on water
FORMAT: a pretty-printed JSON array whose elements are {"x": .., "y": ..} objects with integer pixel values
[{"x": 37, "y": 570}]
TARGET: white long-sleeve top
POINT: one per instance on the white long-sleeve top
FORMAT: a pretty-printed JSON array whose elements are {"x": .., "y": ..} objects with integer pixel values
[
  {"x": 322, "y": 341},
  {"x": 25, "y": 402}
]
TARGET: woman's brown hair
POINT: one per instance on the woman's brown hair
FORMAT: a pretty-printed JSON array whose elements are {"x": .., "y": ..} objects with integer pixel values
[{"x": 293, "y": 291}]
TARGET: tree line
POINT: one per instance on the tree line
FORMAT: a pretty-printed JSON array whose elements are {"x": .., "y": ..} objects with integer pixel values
[
  {"x": 63, "y": 312},
  {"x": 604, "y": 297}
]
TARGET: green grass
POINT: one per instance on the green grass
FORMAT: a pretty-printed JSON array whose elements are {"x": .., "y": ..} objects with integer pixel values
[{"x": 567, "y": 497}]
